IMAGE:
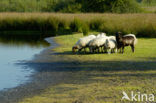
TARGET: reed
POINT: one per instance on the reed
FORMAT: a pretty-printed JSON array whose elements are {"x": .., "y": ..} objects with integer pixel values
[{"x": 143, "y": 25}]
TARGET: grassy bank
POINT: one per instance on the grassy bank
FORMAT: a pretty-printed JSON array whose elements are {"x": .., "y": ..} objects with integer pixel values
[
  {"x": 143, "y": 25},
  {"x": 100, "y": 78}
]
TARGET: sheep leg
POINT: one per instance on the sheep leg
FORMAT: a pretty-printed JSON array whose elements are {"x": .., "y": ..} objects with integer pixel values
[
  {"x": 132, "y": 47},
  {"x": 94, "y": 50},
  {"x": 91, "y": 49},
  {"x": 105, "y": 50},
  {"x": 84, "y": 50},
  {"x": 116, "y": 50},
  {"x": 109, "y": 51},
  {"x": 101, "y": 48},
  {"x": 123, "y": 49},
  {"x": 112, "y": 50},
  {"x": 98, "y": 50},
  {"x": 120, "y": 50},
  {"x": 79, "y": 50}
]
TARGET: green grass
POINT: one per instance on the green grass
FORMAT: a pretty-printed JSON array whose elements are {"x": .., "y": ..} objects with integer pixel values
[{"x": 101, "y": 78}]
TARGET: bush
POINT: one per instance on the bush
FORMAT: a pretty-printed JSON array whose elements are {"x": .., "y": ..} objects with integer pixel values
[
  {"x": 117, "y": 6},
  {"x": 85, "y": 29},
  {"x": 125, "y": 6},
  {"x": 71, "y": 6}
]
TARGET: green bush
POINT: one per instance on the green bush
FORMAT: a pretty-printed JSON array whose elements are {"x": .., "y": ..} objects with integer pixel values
[
  {"x": 117, "y": 6},
  {"x": 71, "y": 6},
  {"x": 125, "y": 6},
  {"x": 85, "y": 29}
]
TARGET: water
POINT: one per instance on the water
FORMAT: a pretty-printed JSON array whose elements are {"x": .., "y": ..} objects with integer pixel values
[{"x": 12, "y": 52}]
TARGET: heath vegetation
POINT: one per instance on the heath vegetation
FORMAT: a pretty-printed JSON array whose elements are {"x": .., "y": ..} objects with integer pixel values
[{"x": 142, "y": 25}]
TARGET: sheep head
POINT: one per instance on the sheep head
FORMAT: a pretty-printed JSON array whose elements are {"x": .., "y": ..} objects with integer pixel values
[
  {"x": 74, "y": 49},
  {"x": 119, "y": 36},
  {"x": 107, "y": 44}
]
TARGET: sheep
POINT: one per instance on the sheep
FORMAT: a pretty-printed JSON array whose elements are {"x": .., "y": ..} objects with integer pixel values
[
  {"x": 82, "y": 43},
  {"x": 101, "y": 35},
  {"x": 135, "y": 42},
  {"x": 111, "y": 45},
  {"x": 127, "y": 40},
  {"x": 97, "y": 43}
]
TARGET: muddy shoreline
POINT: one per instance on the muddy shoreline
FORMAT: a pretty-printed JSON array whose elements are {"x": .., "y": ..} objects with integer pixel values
[{"x": 47, "y": 73}]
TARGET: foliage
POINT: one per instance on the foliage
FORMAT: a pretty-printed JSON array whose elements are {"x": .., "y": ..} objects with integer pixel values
[
  {"x": 26, "y": 5},
  {"x": 85, "y": 29},
  {"x": 118, "y": 6},
  {"x": 70, "y": 6},
  {"x": 142, "y": 25},
  {"x": 123, "y": 6}
]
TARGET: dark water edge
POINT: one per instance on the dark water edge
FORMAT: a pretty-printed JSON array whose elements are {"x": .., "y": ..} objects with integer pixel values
[{"x": 37, "y": 33}]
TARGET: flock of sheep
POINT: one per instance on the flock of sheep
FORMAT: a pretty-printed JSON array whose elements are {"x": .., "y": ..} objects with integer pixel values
[{"x": 106, "y": 44}]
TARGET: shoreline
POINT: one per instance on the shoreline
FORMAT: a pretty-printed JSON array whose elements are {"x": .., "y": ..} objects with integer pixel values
[
  {"x": 45, "y": 75},
  {"x": 66, "y": 78}
]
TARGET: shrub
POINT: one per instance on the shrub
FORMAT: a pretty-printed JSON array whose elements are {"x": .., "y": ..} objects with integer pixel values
[
  {"x": 85, "y": 29},
  {"x": 125, "y": 6},
  {"x": 117, "y": 6}
]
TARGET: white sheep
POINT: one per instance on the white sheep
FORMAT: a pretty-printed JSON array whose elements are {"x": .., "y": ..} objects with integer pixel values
[
  {"x": 99, "y": 42},
  {"x": 101, "y": 35},
  {"x": 111, "y": 45},
  {"x": 82, "y": 43},
  {"x": 96, "y": 43},
  {"x": 111, "y": 38}
]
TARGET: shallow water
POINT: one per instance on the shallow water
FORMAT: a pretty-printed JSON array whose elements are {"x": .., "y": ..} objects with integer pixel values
[{"x": 11, "y": 53}]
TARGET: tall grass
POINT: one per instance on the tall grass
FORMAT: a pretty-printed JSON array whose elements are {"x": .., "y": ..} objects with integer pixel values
[{"x": 143, "y": 25}]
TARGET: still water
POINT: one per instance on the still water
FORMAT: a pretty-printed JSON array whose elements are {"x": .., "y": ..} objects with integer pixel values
[{"x": 12, "y": 52}]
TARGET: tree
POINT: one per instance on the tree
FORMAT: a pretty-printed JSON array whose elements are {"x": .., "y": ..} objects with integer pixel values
[
  {"x": 124, "y": 6},
  {"x": 119, "y": 6}
]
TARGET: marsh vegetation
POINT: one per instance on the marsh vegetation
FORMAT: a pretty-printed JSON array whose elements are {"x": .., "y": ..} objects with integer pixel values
[{"x": 52, "y": 24}]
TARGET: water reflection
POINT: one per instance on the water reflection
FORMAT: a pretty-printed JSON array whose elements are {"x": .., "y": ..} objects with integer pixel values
[
  {"x": 19, "y": 40},
  {"x": 13, "y": 49}
]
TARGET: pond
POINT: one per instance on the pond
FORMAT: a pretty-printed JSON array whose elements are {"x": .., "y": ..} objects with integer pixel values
[{"x": 14, "y": 50}]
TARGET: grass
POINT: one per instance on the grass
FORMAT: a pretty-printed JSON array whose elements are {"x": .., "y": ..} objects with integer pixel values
[
  {"x": 101, "y": 78},
  {"x": 143, "y": 25},
  {"x": 149, "y": 9}
]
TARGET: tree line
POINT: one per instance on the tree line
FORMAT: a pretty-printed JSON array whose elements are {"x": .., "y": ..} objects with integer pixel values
[{"x": 73, "y": 6}]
